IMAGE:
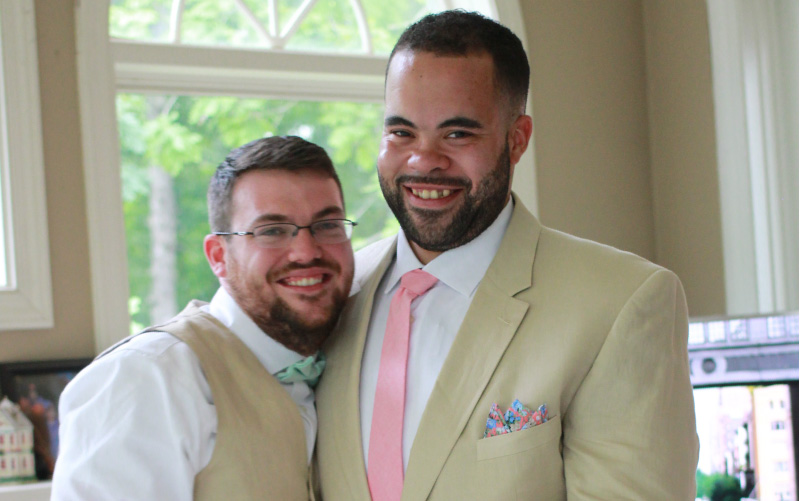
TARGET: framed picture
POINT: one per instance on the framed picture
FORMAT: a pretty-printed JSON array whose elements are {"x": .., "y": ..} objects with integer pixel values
[{"x": 36, "y": 388}]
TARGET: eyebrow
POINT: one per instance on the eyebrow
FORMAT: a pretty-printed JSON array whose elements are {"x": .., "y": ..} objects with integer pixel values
[
  {"x": 465, "y": 122},
  {"x": 268, "y": 218},
  {"x": 393, "y": 120}
]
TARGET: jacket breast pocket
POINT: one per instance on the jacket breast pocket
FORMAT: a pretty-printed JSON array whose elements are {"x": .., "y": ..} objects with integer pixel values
[{"x": 524, "y": 464}]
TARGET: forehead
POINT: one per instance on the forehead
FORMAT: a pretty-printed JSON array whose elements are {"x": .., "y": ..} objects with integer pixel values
[
  {"x": 296, "y": 196},
  {"x": 424, "y": 78}
]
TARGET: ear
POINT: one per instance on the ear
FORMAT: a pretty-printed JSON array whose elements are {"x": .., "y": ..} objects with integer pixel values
[
  {"x": 519, "y": 134},
  {"x": 215, "y": 249}
]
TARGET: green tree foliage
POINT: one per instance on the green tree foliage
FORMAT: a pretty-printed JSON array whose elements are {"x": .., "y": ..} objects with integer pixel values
[
  {"x": 718, "y": 487},
  {"x": 726, "y": 489}
]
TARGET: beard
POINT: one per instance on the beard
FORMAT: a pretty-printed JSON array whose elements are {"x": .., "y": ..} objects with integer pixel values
[
  {"x": 278, "y": 319},
  {"x": 434, "y": 231}
]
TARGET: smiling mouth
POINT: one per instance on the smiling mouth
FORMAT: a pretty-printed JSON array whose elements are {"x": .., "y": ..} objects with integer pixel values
[
  {"x": 303, "y": 281},
  {"x": 431, "y": 194},
  {"x": 309, "y": 283}
]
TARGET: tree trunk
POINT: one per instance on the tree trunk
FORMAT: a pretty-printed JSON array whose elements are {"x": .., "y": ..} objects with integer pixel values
[{"x": 162, "y": 224}]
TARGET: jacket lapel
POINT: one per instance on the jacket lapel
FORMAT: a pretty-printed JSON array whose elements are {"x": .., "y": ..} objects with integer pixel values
[
  {"x": 489, "y": 326},
  {"x": 344, "y": 371}
]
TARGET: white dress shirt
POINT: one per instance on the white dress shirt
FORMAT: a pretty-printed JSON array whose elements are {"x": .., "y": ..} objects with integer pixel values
[
  {"x": 140, "y": 422},
  {"x": 437, "y": 317}
]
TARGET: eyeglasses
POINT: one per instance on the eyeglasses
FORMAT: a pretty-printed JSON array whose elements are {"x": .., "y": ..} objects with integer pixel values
[{"x": 277, "y": 235}]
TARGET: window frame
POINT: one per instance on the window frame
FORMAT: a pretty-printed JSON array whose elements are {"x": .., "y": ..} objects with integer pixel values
[
  {"x": 26, "y": 303},
  {"x": 106, "y": 67}
]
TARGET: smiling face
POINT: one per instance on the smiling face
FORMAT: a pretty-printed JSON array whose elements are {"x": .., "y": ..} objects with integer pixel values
[
  {"x": 294, "y": 294},
  {"x": 448, "y": 150}
]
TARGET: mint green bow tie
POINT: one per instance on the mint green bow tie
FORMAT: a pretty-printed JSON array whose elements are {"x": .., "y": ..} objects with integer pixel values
[{"x": 309, "y": 370}]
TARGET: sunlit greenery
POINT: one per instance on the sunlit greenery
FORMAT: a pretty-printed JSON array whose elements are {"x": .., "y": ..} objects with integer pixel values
[{"x": 330, "y": 25}]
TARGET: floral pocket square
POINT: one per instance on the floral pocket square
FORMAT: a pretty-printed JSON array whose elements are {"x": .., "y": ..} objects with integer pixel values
[{"x": 516, "y": 418}]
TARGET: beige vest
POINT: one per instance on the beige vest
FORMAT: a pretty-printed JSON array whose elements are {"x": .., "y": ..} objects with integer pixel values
[{"x": 260, "y": 450}]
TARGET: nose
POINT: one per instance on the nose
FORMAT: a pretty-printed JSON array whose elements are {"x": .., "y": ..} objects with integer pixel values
[
  {"x": 304, "y": 248},
  {"x": 427, "y": 157}
]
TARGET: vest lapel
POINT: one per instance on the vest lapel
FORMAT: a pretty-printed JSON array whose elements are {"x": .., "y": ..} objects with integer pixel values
[{"x": 489, "y": 326}]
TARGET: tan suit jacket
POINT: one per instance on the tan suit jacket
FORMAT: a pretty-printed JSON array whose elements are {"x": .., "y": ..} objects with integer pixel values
[{"x": 597, "y": 334}]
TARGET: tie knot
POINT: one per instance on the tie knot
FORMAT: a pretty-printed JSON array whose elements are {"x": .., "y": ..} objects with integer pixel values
[
  {"x": 418, "y": 281},
  {"x": 308, "y": 369}
]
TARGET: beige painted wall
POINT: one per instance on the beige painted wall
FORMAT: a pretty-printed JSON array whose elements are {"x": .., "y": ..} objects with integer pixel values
[
  {"x": 590, "y": 120},
  {"x": 623, "y": 134},
  {"x": 72, "y": 335},
  {"x": 683, "y": 150}
]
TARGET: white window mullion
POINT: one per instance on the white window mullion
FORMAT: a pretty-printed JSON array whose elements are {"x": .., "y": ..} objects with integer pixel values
[
  {"x": 204, "y": 70},
  {"x": 256, "y": 24},
  {"x": 176, "y": 20},
  {"x": 100, "y": 143},
  {"x": 363, "y": 28}
]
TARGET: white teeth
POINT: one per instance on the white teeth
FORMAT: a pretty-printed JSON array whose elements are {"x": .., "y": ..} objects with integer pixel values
[
  {"x": 303, "y": 282},
  {"x": 430, "y": 194}
]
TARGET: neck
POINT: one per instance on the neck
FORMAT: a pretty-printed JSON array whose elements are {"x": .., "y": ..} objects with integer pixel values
[{"x": 425, "y": 256}]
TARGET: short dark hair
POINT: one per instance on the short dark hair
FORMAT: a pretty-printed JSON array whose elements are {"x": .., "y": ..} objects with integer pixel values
[
  {"x": 461, "y": 33},
  {"x": 290, "y": 153}
]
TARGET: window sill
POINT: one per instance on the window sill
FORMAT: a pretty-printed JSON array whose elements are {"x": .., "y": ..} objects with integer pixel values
[{"x": 37, "y": 491}]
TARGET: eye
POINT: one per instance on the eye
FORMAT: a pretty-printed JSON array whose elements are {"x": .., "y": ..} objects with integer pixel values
[
  {"x": 329, "y": 227},
  {"x": 400, "y": 133},
  {"x": 459, "y": 134},
  {"x": 273, "y": 230}
]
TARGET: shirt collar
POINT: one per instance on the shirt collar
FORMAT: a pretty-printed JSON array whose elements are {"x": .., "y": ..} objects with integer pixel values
[
  {"x": 461, "y": 268},
  {"x": 273, "y": 355}
]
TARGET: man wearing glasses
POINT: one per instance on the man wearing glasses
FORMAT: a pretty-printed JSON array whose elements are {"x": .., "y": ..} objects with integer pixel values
[{"x": 218, "y": 402}]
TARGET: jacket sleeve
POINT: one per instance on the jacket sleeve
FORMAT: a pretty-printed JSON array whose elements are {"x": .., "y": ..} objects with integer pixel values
[{"x": 629, "y": 432}]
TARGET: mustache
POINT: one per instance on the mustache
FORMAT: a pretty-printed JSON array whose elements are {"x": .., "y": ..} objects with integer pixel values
[
  {"x": 315, "y": 263},
  {"x": 455, "y": 182}
]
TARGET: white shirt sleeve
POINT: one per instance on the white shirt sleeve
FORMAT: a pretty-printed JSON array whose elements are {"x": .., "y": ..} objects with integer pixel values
[{"x": 137, "y": 424}]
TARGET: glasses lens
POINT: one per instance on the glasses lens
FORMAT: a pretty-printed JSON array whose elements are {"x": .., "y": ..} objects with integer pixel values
[
  {"x": 327, "y": 231},
  {"x": 332, "y": 231},
  {"x": 274, "y": 235}
]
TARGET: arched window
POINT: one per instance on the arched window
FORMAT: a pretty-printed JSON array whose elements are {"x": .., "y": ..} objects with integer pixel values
[{"x": 169, "y": 86}]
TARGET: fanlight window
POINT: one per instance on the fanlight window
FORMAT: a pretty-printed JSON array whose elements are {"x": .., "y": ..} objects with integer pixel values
[{"x": 351, "y": 26}]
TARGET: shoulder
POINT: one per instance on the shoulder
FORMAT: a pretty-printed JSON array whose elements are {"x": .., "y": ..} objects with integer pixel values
[
  {"x": 572, "y": 274},
  {"x": 142, "y": 410},
  {"x": 142, "y": 364},
  {"x": 571, "y": 268},
  {"x": 556, "y": 247},
  {"x": 157, "y": 346},
  {"x": 567, "y": 262}
]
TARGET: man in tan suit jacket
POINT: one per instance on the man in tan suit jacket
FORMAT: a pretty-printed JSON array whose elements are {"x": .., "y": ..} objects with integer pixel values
[{"x": 597, "y": 335}]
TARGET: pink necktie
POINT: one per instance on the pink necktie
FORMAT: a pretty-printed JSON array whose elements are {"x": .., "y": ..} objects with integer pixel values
[{"x": 385, "y": 463}]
